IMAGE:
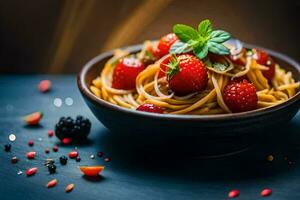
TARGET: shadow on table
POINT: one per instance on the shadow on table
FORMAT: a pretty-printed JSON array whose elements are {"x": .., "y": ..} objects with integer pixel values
[{"x": 184, "y": 161}]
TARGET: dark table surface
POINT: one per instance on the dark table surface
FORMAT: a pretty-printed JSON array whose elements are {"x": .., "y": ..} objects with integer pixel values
[{"x": 131, "y": 174}]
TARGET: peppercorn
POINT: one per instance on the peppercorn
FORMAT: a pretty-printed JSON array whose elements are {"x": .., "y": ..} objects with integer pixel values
[
  {"x": 63, "y": 160},
  {"x": 52, "y": 168}
]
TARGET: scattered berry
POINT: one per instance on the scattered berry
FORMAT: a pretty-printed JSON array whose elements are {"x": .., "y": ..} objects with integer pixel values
[
  {"x": 30, "y": 143},
  {"x": 31, "y": 171},
  {"x": 51, "y": 183},
  {"x": 52, "y": 168},
  {"x": 100, "y": 154},
  {"x": 69, "y": 188},
  {"x": 44, "y": 86},
  {"x": 91, "y": 170},
  {"x": 50, "y": 133},
  {"x": 186, "y": 74},
  {"x": 55, "y": 148},
  {"x": 78, "y": 159},
  {"x": 266, "y": 192},
  {"x": 240, "y": 96},
  {"x": 34, "y": 118},
  {"x": 63, "y": 160},
  {"x": 233, "y": 193},
  {"x": 66, "y": 140},
  {"x": 164, "y": 44},
  {"x": 7, "y": 147},
  {"x": 73, "y": 154},
  {"x": 148, "y": 107},
  {"x": 107, "y": 159},
  {"x": 31, "y": 155},
  {"x": 14, "y": 160},
  {"x": 75, "y": 130},
  {"x": 47, "y": 150},
  {"x": 125, "y": 73}
]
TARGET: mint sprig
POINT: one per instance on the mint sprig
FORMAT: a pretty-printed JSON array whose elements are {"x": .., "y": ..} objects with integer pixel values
[{"x": 200, "y": 41}]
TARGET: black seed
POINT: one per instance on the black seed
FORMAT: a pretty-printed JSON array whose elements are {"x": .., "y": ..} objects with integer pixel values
[
  {"x": 52, "y": 168},
  {"x": 7, "y": 147},
  {"x": 63, "y": 160}
]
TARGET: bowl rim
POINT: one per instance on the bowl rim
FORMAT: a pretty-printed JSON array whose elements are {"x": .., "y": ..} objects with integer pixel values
[{"x": 228, "y": 116}]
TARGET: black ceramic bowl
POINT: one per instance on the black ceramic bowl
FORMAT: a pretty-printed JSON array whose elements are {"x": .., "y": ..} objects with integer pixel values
[{"x": 146, "y": 126}]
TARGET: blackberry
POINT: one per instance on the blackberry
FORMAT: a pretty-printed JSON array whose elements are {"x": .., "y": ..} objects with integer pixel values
[
  {"x": 52, "y": 168},
  {"x": 74, "y": 129},
  {"x": 63, "y": 160}
]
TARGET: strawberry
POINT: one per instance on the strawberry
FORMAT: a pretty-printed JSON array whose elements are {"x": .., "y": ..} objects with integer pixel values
[
  {"x": 240, "y": 96},
  {"x": 125, "y": 73},
  {"x": 147, "y": 107},
  {"x": 163, "y": 66},
  {"x": 164, "y": 45},
  {"x": 263, "y": 58},
  {"x": 33, "y": 118},
  {"x": 186, "y": 74}
]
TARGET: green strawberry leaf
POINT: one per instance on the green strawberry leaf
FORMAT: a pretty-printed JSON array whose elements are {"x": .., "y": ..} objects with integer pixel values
[
  {"x": 185, "y": 33},
  {"x": 217, "y": 48},
  {"x": 201, "y": 51},
  {"x": 204, "y": 28},
  {"x": 219, "y": 36},
  {"x": 180, "y": 47}
]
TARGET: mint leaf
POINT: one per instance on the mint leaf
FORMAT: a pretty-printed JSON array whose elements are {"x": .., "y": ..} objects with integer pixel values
[
  {"x": 201, "y": 51},
  {"x": 180, "y": 47},
  {"x": 219, "y": 36},
  {"x": 185, "y": 33},
  {"x": 217, "y": 48},
  {"x": 204, "y": 28}
]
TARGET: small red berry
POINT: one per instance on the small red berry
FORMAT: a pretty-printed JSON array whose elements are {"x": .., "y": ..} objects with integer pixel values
[
  {"x": 266, "y": 192},
  {"x": 263, "y": 58},
  {"x": 31, "y": 171},
  {"x": 33, "y": 118},
  {"x": 148, "y": 107},
  {"x": 100, "y": 154},
  {"x": 233, "y": 193},
  {"x": 47, "y": 150},
  {"x": 55, "y": 148},
  {"x": 31, "y": 154},
  {"x": 164, "y": 44},
  {"x": 186, "y": 74},
  {"x": 240, "y": 96},
  {"x": 107, "y": 159},
  {"x": 66, "y": 140},
  {"x": 50, "y": 133},
  {"x": 14, "y": 160},
  {"x": 51, "y": 183},
  {"x": 44, "y": 86},
  {"x": 73, "y": 154},
  {"x": 30, "y": 143},
  {"x": 125, "y": 73}
]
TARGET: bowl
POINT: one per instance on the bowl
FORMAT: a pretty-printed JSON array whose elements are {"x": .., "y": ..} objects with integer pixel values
[{"x": 144, "y": 126}]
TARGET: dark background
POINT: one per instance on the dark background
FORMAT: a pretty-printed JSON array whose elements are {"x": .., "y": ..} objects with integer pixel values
[{"x": 59, "y": 36}]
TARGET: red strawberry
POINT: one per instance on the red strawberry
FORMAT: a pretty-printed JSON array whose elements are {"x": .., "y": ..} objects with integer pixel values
[
  {"x": 263, "y": 58},
  {"x": 147, "y": 107},
  {"x": 125, "y": 73},
  {"x": 164, "y": 44},
  {"x": 163, "y": 66},
  {"x": 240, "y": 96},
  {"x": 186, "y": 74}
]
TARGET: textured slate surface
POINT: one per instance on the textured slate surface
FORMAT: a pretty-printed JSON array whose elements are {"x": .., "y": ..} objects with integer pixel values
[{"x": 131, "y": 174}]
